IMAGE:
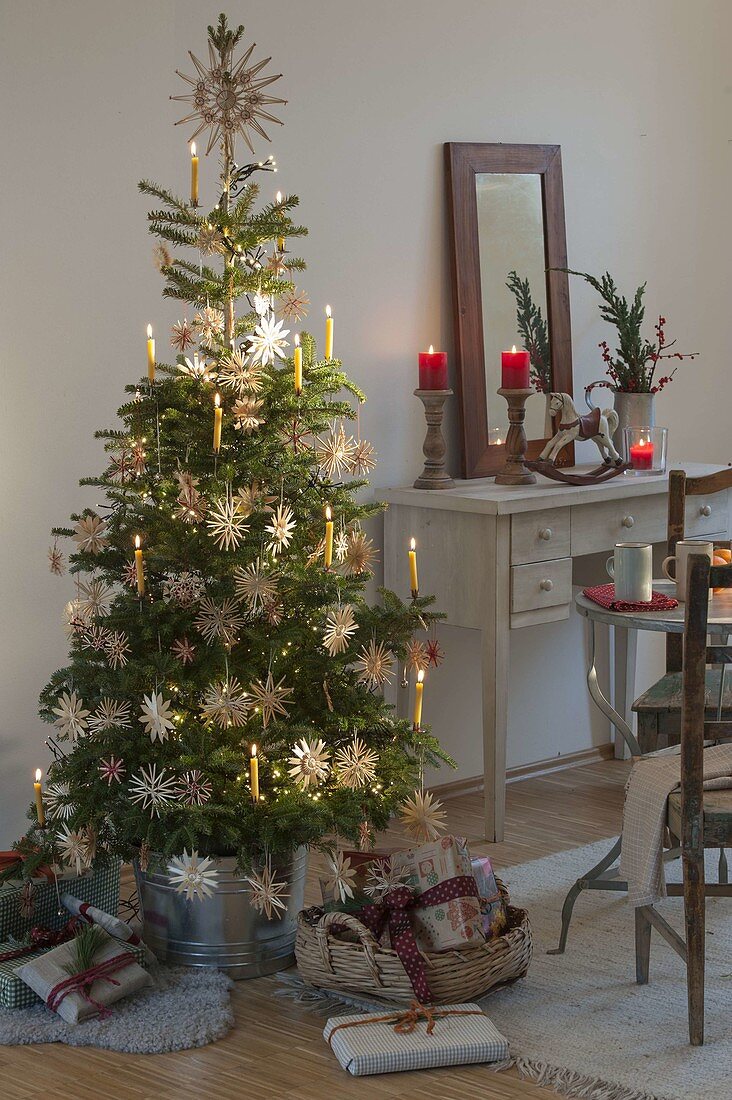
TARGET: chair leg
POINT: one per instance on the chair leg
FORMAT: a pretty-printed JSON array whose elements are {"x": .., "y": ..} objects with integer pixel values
[
  {"x": 642, "y": 947},
  {"x": 723, "y": 873},
  {"x": 694, "y": 918}
]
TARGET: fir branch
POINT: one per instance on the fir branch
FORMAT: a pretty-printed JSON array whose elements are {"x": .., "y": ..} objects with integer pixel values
[
  {"x": 532, "y": 327},
  {"x": 88, "y": 942}
]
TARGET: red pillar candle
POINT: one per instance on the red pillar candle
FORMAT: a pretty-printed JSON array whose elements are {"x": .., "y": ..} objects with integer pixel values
[
  {"x": 641, "y": 455},
  {"x": 515, "y": 369},
  {"x": 433, "y": 370}
]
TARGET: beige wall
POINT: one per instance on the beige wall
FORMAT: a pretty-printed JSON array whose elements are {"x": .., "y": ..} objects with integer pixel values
[{"x": 637, "y": 92}]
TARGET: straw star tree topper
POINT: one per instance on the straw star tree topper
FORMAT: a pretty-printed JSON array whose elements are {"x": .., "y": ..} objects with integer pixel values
[{"x": 223, "y": 693}]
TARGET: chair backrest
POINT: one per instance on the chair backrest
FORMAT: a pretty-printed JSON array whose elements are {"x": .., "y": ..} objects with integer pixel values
[
  {"x": 679, "y": 488},
  {"x": 701, "y": 577}
]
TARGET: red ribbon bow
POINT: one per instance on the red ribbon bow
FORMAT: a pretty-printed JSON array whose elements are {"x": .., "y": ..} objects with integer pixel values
[
  {"x": 83, "y": 981},
  {"x": 394, "y": 910}
]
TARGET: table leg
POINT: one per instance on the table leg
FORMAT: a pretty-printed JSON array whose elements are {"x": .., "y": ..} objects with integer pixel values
[
  {"x": 495, "y": 642},
  {"x": 625, "y": 647},
  {"x": 604, "y": 875}
]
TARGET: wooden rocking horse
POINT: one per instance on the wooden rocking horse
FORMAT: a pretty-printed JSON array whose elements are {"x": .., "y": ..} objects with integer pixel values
[{"x": 598, "y": 426}]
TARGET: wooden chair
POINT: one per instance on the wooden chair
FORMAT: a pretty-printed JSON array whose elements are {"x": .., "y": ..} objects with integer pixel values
[
  {"x": 697, "y": 819},
  {"x": 659, "y": 708}
]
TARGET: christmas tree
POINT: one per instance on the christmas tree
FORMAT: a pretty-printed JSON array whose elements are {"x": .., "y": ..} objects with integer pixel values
[{"x": 224, "y": 688}]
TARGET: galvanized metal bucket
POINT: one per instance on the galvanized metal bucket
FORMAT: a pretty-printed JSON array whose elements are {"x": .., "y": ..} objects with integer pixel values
[{"x": 225, "y": 930}]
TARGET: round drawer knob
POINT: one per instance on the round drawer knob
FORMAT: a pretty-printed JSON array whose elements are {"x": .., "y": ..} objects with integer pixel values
[
  {"x": 705, "y": 510},
  {"x": 545, "y": 533},
  {"x": 546, "y": 585},
  {"x": 628, "y": 521}
]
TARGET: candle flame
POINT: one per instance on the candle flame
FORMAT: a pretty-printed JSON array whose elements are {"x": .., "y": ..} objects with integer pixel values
[
  {"x": 297, "y": 340},
  {"x": 38, "y": 775},
  {"x": 327, "y": 311},
  {"x": 278, "y": 197},
  {"x": 149, "y": 332},
  {"x": 328, "y": 512},
  {"x": 217, "y": 400},
  {"x": 193, "y": 148},
  {"x": 137, "y": 542},
  {"x": 412, "y": 544},
  {"x": 420, "y": 676},
  {"x": 254, "y": 751},
  {"x": 431, "y": 351},
  {"x": 642, "y": 442},
  {"x": 513, "y": 350}
]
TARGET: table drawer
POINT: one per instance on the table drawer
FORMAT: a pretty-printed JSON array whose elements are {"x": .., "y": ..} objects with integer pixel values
[
  {"x": 541, "y": 584},
  {"x": 540, "y": 536},
  {"x": 706, "y": 515},
  {"x": 597, "y": 527}
]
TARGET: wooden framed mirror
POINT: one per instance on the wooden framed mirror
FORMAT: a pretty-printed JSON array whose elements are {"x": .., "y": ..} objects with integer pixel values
[{"x": 506, "y": 214}]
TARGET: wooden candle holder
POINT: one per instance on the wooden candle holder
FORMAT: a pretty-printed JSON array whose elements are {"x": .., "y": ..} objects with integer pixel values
[
  {"x": 434, "y": 475},
  {"x": 515, "y": 471}
]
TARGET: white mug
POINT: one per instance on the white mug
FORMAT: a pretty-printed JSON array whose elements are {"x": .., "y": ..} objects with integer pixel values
[
  {"x": 684, "y": 547},
  {"x": 631, "y": 567}
]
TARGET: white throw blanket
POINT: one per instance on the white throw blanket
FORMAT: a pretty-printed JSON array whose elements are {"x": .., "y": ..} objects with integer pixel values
[{"x": 644, "y": 817}]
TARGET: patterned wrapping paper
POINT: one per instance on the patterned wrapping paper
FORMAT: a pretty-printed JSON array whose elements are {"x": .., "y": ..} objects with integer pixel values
[
  {"x": 456, "y": 923},
  {"x": 14, "y": 993},
  {"x": 492, "y": 906},
  {"x": 100, "y": 886},
  {"x": 45, "y": 972},
  {"x": 378, "y": 1048}
]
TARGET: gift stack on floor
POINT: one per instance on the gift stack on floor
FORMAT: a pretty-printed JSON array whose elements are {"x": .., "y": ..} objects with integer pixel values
[
  {"x": 61, "y": 944},
  {"x": 426, "y": 925}
]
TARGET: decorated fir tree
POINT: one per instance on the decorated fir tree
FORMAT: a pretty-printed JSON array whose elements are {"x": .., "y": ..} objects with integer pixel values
[{"x": 224, "y": 687}]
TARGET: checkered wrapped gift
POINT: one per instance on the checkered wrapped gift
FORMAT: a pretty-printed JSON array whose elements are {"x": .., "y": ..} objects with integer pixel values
[
  {"x": 14, "y": 993},
  {"x": 421, "y": 1037},
  {"x": 99, "y": 887}
]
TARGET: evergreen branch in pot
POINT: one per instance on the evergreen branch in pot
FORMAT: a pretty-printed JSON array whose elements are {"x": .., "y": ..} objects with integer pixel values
[{"x": 632, "y": 367}]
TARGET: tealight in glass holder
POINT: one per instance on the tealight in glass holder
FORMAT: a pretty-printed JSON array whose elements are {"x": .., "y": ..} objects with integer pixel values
[
  {"x": 496, "y": 436},
  {"x": 645, "y": 450}
]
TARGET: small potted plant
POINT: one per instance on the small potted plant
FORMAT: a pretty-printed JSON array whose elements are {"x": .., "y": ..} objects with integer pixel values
[{"x": 633, "y": 368}]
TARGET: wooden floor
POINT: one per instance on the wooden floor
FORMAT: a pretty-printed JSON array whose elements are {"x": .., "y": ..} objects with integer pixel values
[{"x": 276, "y": 1049}]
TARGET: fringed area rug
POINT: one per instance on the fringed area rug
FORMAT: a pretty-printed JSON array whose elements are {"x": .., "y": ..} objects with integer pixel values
[
  {"x": 579, "y": 1024},
  {"x": 186, "y": 1008}
]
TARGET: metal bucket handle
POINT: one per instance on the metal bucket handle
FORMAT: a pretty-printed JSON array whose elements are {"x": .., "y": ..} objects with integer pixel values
[{"x": 353, "y": 924}]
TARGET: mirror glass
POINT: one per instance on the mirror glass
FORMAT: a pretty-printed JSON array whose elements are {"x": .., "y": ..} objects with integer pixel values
[{"x": 510, "y": 238}]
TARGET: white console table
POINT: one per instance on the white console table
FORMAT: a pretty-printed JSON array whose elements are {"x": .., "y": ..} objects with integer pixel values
[{"x": 500, "y": 557}]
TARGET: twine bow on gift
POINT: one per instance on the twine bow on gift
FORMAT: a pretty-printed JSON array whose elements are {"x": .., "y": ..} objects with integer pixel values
[
  {"x": 41, "y": 938},
  {"x": 82, "y": 982},
  {"x": 406, "y": 1022},
  {"x": 394, "y": 911}
]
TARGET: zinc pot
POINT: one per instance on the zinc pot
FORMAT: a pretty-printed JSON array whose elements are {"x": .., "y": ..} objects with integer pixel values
[
  {"x": 224, "y": 930},
  {"x": 635, "y": 410}
]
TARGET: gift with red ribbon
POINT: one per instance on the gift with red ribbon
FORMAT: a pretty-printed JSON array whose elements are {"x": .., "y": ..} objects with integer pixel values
[
  {"x": 441, "y": 875},
  {"x": 395, "y": 911}
]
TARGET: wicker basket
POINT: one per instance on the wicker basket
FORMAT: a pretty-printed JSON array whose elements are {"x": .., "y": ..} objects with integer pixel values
[{"x": 353, "y": 961}]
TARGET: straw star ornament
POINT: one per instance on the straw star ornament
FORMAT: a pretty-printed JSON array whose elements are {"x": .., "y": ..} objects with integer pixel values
[
  {"x": 309, "y": 763},
  {"x": 267, "y": 893},
  {"x": 157, "y": 716},
  {"x": 270, "y": 698}
]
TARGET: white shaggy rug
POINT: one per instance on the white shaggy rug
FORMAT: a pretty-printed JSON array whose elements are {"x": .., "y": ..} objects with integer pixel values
[
  {"x": 186, "y": 1008},
  {"x": 578, "y": 1023},
  {"x": 583, "y": 1011}
]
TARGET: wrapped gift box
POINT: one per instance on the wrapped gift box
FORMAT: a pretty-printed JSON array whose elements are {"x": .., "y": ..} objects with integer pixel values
[
  {"x": 492, "y": 905},
  {"x": 48, "y": 970},
  {"x": 360, "y": 862},
  {"x": 455, "y": 922},
  {"x": 14, "y": 993},
  {"x": 368, "y": 1043},
  {"x": 100, "y": 887}
]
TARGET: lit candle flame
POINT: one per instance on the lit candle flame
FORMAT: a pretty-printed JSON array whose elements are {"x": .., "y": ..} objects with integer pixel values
[
  {"x": 431, "y": 351},
  {"x": 193, "y": 148},
  {"x": 513, "y": 350},
  {"x": 327, "y": 512},
  {"x": 297, "y": 340},
  {"x": 278, "y": 197},
  {"x": 217, "y": 400},
  {"x": 254, "y": 751},
  {"x": 39, "y": 773},
  {"x": 412, "y": 544},
  {"x": 420, "y": 676},
  {"x": 149, "y": 332},
  {"x": 137, "y": 542},
  {"x": 327, "y": 311}
]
